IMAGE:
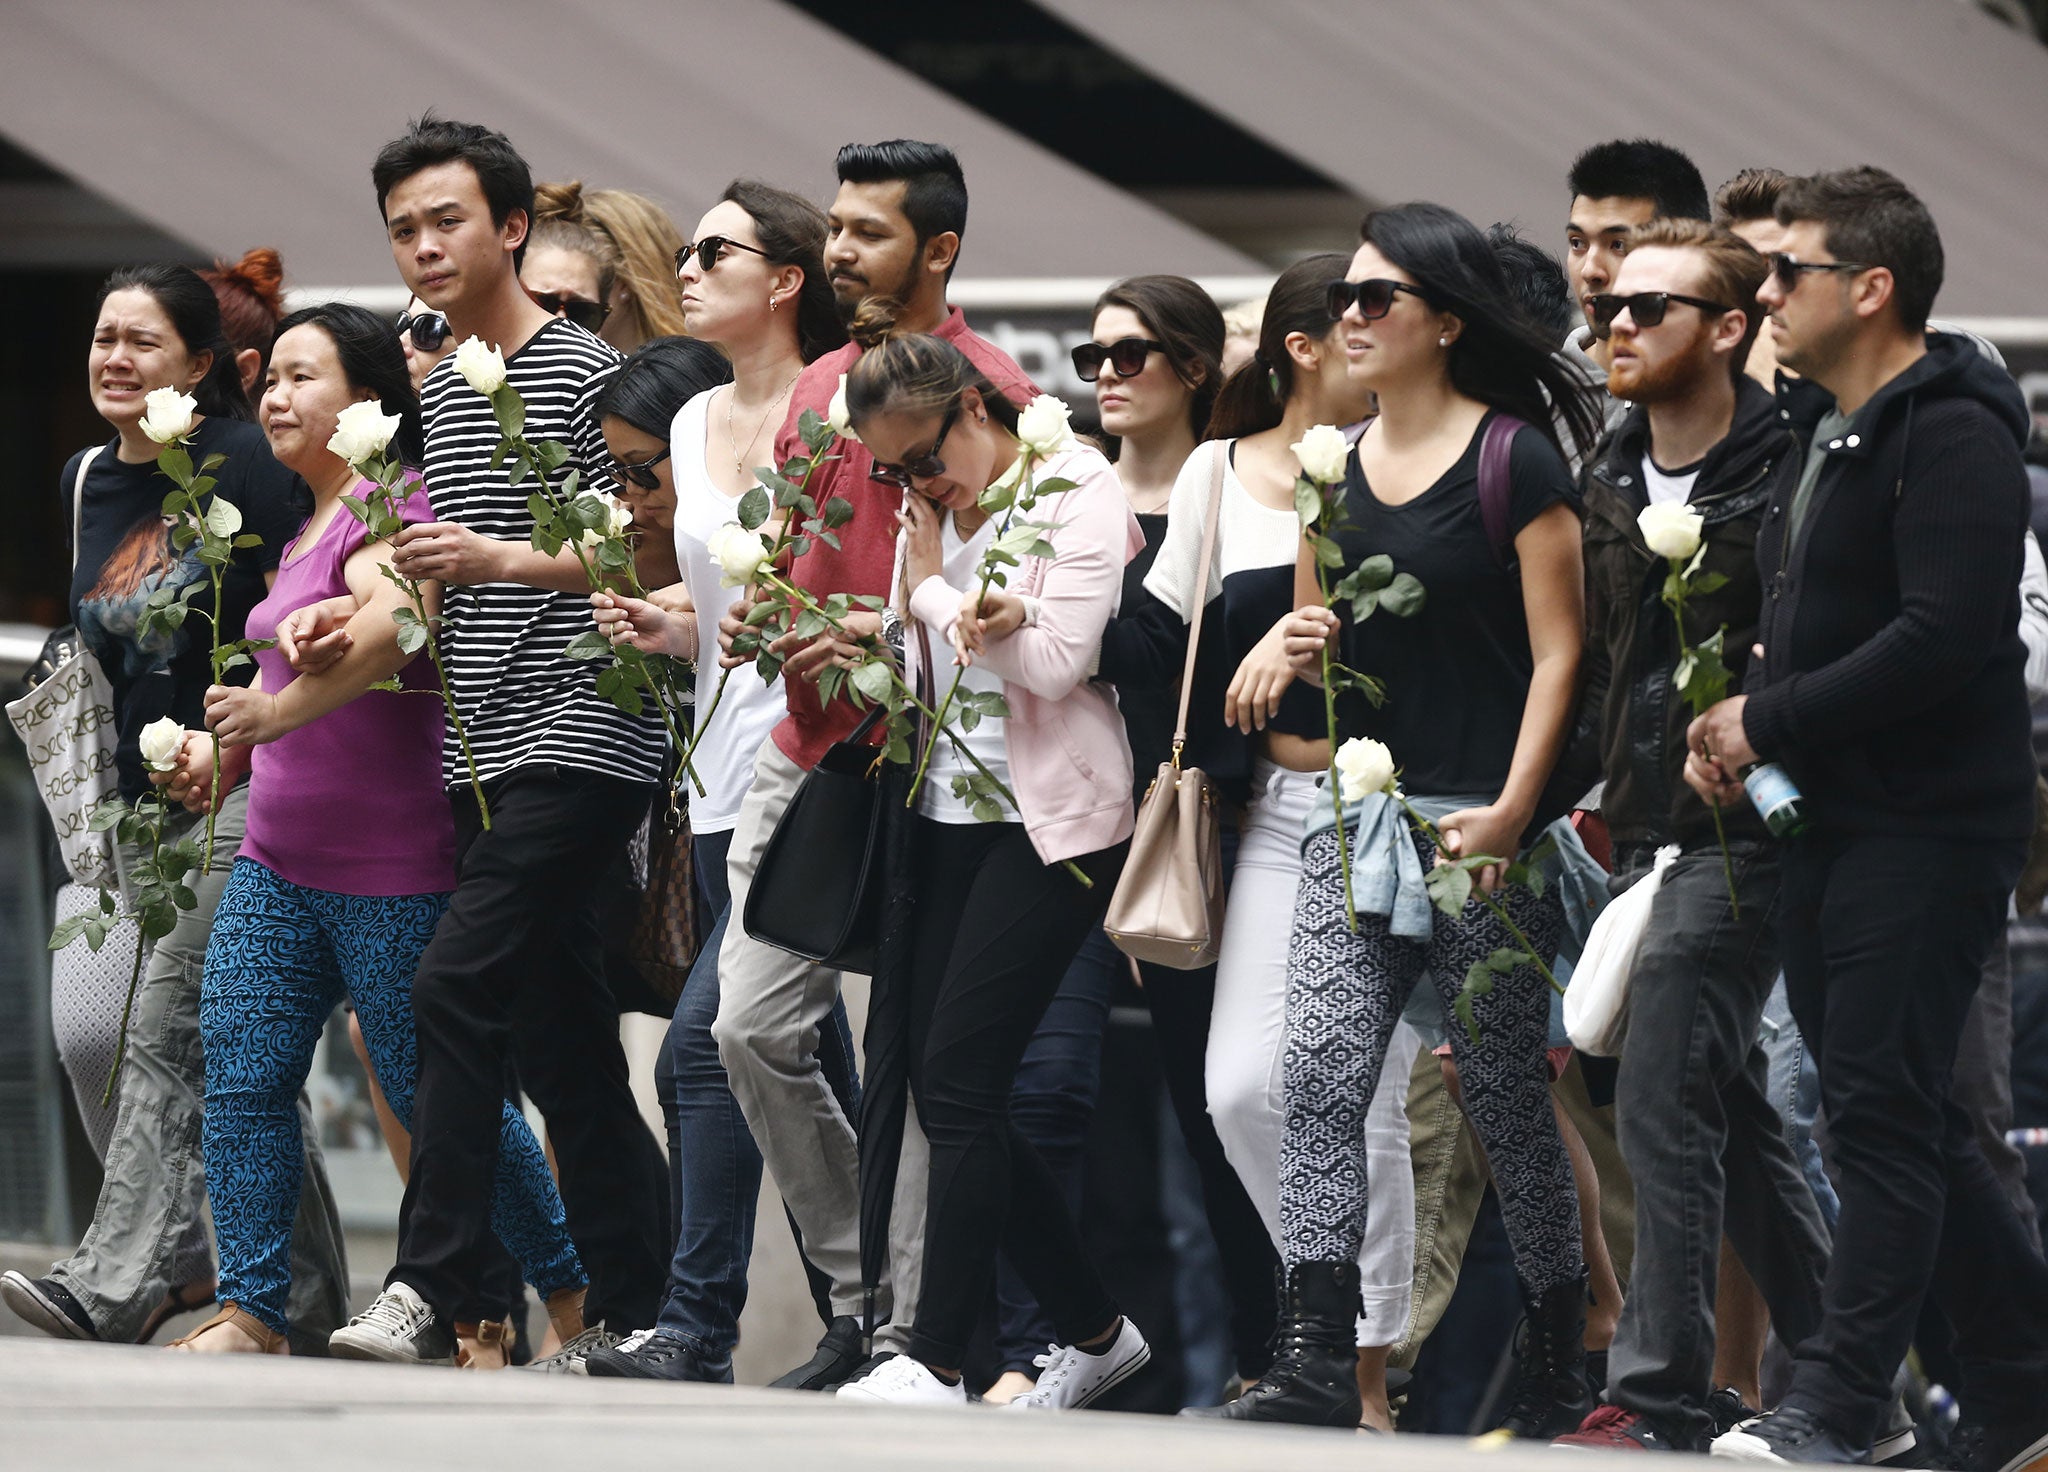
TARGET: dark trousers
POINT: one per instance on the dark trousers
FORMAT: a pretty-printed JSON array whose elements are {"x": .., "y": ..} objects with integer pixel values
[
  {"x": 1704, "y": 1146},
  {"x": 1885, "y": 941},
  {"x": 515, "y": 969},
  {"x": 995, "y": 930}
]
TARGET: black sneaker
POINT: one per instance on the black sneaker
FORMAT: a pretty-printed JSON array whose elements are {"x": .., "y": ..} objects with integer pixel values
[
  {"x": 1728, "y": 1410},
  {"x": 837, "y": 1359},
  {"x": 655, "y": 1354},
  {"x": 1785, "y": 1436},
  {"x": 48, "y": 1305},
  {"x": 399, "y": 1328},
  {"x": 2002, "y": 1446}
]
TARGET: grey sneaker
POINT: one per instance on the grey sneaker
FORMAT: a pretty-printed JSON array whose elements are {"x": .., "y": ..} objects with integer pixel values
[
  {"x": 399, "y": 1328},
  {"x": 568, "y": 1360}
]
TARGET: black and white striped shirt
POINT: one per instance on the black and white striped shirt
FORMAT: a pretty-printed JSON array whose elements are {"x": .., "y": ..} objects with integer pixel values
[{"x": 521, "y": 700}]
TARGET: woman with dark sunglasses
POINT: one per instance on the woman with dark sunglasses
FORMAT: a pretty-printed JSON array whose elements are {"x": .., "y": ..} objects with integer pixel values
[
  {"x": 425, "y": 336},
  {"x": 993, "y": 917},
  {"x": 1480, "y": 686},
  {"x": 1264, "y": 743},
  {"x": 569, "y": 266},
  {"x": 754, "y": 289}
]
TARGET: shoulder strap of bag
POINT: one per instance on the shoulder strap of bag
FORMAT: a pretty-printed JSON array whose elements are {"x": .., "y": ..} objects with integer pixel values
[
  {"x": 1495, "y": 490},
  {"x": 1207, "y": 564},
  {"x": 78, "y": 499}
]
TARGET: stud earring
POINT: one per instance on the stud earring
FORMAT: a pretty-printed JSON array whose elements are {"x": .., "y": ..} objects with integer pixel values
[
  {"x": 771, "y": 303},
  {"x": 1443, "y": 342}
]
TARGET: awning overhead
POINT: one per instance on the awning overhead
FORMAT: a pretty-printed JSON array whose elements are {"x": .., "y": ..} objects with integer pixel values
[
  {"x": 232, "y": 126},
  {"x": 1482, "y": 104}
]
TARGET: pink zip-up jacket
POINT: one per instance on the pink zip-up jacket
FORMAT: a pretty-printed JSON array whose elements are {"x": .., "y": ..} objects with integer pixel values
[{"x": 1070, "y": 762}]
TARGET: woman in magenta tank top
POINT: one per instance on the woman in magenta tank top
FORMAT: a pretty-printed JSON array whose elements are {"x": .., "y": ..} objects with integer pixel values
[{"x": 348, "y": 860}]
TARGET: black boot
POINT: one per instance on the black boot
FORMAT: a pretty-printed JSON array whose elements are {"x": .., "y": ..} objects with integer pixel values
[
  {"x": 1550, "y": 1397},
  {"x": 1313, "y": 1380}
]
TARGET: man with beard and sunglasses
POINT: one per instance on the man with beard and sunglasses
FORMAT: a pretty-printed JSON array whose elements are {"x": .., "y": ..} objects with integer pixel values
[
  {"x": 1890, "y": 688},
  {"x": 1700, "y": 1138},
  {"x": 894, "y": 233}
]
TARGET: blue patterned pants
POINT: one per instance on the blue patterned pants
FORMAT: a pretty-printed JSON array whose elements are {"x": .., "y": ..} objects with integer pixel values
[{"x": 280, "y": 957}]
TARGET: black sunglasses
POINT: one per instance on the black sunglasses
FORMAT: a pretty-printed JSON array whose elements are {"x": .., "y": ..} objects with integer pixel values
[
  {"x": 587, "y": 315},
  {"x": 709, "y": 249},
  {"x": 642, "y": 474},
  {"x": 1127, "y": 355},
  {"x": 427, "y": 329},
  {"x": 1645, "y": 308},
  {"x": 1374, "y": 298},
  {"x": 918, "y": 467},
  {"x": 1788, "y": 269}
]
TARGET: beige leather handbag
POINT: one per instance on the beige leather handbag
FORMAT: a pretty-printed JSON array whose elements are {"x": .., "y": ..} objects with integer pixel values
[{"x": 1168, "y": 906}]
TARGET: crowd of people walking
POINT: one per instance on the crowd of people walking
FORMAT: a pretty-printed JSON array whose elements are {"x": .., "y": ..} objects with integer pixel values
[{"x": 1388, "y": 560}]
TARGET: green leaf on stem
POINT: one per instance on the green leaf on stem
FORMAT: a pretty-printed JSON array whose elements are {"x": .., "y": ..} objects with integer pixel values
[
  {"x": 509, "y": 410},
  {"x": 875, "y": 680},
  {"x": 814, "y": 430},
  {"x": 1404, "y": 596},
  {"x": 754, "y": 509},
  {"x": 589, "y": 644}
]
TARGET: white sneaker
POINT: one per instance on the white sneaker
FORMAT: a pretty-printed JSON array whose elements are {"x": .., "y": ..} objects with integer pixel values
[
  {"x": 900, "y": 1380},
  {"x": 1071, "y": 1378},
  {"x": 399, "y": 1328},
  {"x": 569, "y": 1359}
]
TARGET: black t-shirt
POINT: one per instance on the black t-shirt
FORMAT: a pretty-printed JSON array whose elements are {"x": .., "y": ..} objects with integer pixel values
[
  {"x": 125, "y": 554},
  {"x": 1148, "y": 715},
  {"x": 1457, "y": 673}
]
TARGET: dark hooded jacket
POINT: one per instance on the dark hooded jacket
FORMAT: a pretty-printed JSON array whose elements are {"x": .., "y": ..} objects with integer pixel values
[
  {"x": 1891, "y": 685},
  {"x": 1636, "y": 715}
]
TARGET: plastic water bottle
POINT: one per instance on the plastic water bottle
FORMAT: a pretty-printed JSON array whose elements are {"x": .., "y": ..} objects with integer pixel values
[{"x": 1776, "y": 798}]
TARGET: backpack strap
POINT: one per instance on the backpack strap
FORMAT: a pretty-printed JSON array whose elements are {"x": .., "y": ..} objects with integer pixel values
[{"x": 1495, "y": 489}]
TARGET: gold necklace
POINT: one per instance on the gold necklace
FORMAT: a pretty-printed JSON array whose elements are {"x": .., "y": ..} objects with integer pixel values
[{"x": 739, "y": 458}]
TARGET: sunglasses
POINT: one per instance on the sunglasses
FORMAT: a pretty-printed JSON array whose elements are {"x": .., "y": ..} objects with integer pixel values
[
  {"x": 428, "y": 330},
  {"x": 1374, "y": 298},
  {"x": 1788, "y": 269},
  {"x": 1126, "y": 355},
  {"x": 641, "y": 474},
  {"x": 587, "y": 315},
  {"x": 1645, "y": 308},
  {"x": 918, "y": 467},
  {"x": 710, "y": 248}
]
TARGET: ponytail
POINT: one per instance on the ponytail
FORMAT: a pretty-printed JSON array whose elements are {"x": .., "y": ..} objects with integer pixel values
[{"x": 1255, "y": 397}]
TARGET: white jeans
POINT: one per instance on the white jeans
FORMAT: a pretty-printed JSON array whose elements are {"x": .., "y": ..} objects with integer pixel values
[{"x": 1247, "y": 1039}]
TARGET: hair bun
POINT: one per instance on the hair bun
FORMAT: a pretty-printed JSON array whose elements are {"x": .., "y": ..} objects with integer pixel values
[
  {"x": 875, "y": 322},
  {"x": 260, "y": 273},
  {"x": 559, "y": 201}
]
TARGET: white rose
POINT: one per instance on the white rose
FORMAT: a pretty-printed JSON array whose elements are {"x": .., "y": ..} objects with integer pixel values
[
  {"x": 481, "y": 367},
  {"x": 617, "y": 519},
  {"x": 739, "y": 553},
  {"x": 1364, "y": 766},
  {"x": 362, "y": 430},
  {"x": 161, "y": 740},
  {"x": 223, "y": 518},
  {"x": 167, "y": 415},
  {"x": 1322, "y": 452},
  {"x": 836, "y": 415},
  {"x": 1042, "y": 425},
  {"x": 1671, "y": 531}
]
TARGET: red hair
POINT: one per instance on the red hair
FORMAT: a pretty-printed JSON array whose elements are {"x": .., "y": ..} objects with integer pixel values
[{"x": 251, "y": 295}]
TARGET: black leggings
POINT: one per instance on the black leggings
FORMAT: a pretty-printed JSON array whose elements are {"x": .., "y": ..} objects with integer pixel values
[{"x": 995, "y": 930}]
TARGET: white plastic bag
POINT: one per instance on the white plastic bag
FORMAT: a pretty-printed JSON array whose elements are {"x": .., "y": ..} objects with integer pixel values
[{"x": 1596, "y": 1000}]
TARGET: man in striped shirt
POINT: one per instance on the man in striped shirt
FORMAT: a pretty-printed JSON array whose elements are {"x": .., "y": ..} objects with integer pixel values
[{"x": 514, "y": 972}]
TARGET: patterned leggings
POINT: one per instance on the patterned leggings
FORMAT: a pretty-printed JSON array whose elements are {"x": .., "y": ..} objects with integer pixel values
[
  {"x": 1345, "y": 992},
  {"x": 280, "y": 957}
]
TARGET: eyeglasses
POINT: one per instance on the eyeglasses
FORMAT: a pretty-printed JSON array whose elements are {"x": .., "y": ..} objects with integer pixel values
[
  {"x": 428, "y": 329},
  {"x": 1374, "y": 298},
  {"x": 918, "y": 467},
  {"x": 640, "y": 474},
  {"x": 1645, "y": 308},
  {"x": 1126, "y": 355},
  {"x": 710, "y": 248},
  {"x": 1787, "y": 269},
  {"x": 587, "y": 315}
]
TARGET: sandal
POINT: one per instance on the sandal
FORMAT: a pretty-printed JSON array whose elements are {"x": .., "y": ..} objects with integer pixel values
[
  {"x": 484, "y": 1345},
  {"x": 175, "y": 1303},
  {"x": 264, "y": 1339}
]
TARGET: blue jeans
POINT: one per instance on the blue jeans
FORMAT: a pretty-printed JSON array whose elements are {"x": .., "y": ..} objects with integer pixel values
[
  {"x": 1795, "y": 1092},
  {"x": 280, "y": 956},
  {"x": 1051, "y": 1102},
  {"x": 714, "y": 1165}
]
